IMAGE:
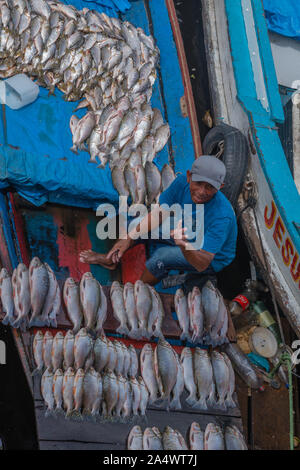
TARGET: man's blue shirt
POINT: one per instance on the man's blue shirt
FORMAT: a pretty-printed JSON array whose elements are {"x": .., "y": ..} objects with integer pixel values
[{"x": 220, "y": 227}]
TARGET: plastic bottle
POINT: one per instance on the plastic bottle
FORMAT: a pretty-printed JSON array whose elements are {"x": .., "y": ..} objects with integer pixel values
[{"x": 265, "y": 319}]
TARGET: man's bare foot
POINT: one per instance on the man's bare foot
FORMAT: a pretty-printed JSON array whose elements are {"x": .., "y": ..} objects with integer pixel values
[{"x": 91, "y": 257}]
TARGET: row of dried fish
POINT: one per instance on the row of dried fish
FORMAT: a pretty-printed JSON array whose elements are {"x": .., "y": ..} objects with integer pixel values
[
  {"x": 105, "y": 396},
  {"x": 209, "y": 379},
  {"x": 214, "y": 438},
  {"x": 87, "y": 54},
  {"x": 138, "y": 308},
  {"x": 86, "y": 303},
  {"x": 34, "y": 290},
  {"x": 143, "y": 185},
  {"x": 75, "y": 49},
  {"x": 82, "y": 352},
  {"x": 202, "y": 315},
  {"x": 121, "y": 133}
]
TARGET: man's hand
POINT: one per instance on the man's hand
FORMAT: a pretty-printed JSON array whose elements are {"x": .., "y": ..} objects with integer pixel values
[
  {"x": 117, "y": 251},
  {"x": 179, "y": 235}
]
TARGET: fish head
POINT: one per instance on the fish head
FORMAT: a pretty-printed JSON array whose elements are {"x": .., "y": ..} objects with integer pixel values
[
  {"x": 35, "y": 262},
  {"x": 39, "y": 336},
  {"x": 48, "y": 335},
  {"x": 82, "y": 332},
  {"x": 4, "y": 274},
  {"x": 70, "y": 372},
  {"x": 201, "y": 352},
  {"x": 69, "y": 335},
  {"x": 59, "y": 335},
  {"x": 58, "y": 373},
  {"x": 195, "y": 427}
]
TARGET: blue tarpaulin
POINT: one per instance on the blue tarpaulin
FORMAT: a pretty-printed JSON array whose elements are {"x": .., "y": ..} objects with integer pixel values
[
  {"x": 35, "y": 155},
  {"x": 283, "y": 17}
]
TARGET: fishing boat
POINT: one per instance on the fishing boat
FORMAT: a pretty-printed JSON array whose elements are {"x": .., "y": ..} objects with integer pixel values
[
  {"x": 49, "y": 196},
  {"x": 245, "y": 95}
]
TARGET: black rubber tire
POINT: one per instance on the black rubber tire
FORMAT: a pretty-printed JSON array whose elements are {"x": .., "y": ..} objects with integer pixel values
[{"x": 235, "y": 157}]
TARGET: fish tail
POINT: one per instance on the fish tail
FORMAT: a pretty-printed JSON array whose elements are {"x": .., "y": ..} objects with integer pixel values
[
  {"x": 175, "y": 404},
  {"x": 229, "y": 402},
  {"x": 122, "y": 330},
  {"x": 74, "y": 149},
  {"x": 201, "y": 404},
  {"x": 6, "y": 320},
  {"x": 158, "y": 333},
  {"x": 53, "y": 322},
  {"x": 211, "y": 401},
  {"x": 58, "y": 412},
  {"x": 220, "y": 405},
  {"x": 37, "y": 371},
  {"x": 75, "y": 415},
  {"x": 16, "y": 323},
  {"x": 134, "y": 333},
  {"x": 144, "y": 333},
  {"x": 49, "y": 412},
  {"x": 184, "y": 335},
  {"x": 191, "y": 400}
]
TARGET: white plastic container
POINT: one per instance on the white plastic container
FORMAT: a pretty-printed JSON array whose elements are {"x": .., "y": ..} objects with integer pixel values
[{"x": 18, "y": 91}]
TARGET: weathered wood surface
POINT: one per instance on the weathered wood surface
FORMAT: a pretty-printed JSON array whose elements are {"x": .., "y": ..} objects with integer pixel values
[{"x": 62, "y": 434}]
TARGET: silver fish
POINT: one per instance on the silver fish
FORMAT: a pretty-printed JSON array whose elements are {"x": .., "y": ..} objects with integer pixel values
[
  {"x": 68, "y": 350},
  {"x": 242, "y": 365},
  {"x": 101, "y": 312},
  {"x": 203, "y": 374},
  {"x": 72, "y": 302},
  {"x": 210, "y": 303},
  {"x": 39, "y": 285},
  {"x": 148, "y": 372},
  {"x": 162, "y": 136},
  {"x": 112, "y": 357},
  {"x": 51, "y": 295},
  {"x": 78, "y": 392},
  {"x": 127, "y": 360},
  {"x": 47, "y": 349},
  {"x": 92, "y": 393},
  {"x": 144, "y": 396},
  {"x": 68, "y": 398},
  {"x": 143, "y": 303},
  {"x": 21, "y": 292},
  {"x": 186, "y": 359},
  {"x": 90, "y": 299},
  {"x": 122, "y": 395},
  {"x": 57, "y": 351},
  {"x": 167, "y": 176},
  {"x": 234, "y": 439},
  {"x": 136, "y": 392},
  {"x": 156, "y": 314},
  {"x": 131, "y": 312},
  {"x": 57, "y": 391},
  {"x": 116, "y": 294},
  {"x": 135, "y": 439},
  {"x": 127, "y": 406},
  {"x": 196, "y": 315},
  {"x": 171, "y": 440},
  {"x": 165, "y": 366},
  {"x": 181, "y": 309},
  {"x": 221, "y": 376},
  {"x": 41, "y": 7},
  {"x": 229, "y": 402},
  {"x": 38, "y": 352},
  {"x": 118, "y": 179},
  {"x": 213, "y": 437},
  {"x": 120, "y": 357},
  {"x": 196, "y": 437},
  {"x": 152, "y": 439},
  {"x": 177, "y": 390},
  {"x": 6, "y": 295},
  {"x": 153, "y": 181},
  {"x": 101, "y": 352},
  {"x": 110, "y": 393},
  {"x": 47, "y": 391},
  {"x": 134, "y": 363},
  {"x": 83, "y": 349},
  {"x": 83, "y": 130}
]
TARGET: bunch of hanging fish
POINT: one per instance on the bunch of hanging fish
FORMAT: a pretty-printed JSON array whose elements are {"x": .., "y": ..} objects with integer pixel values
[
  {"x": 95, "y": 374},
  {"x": 34, "y": 290},
  {"x": 85, "y": 303},
  {"x": 110, "y": 63},
  {"x": 202, "y": 315},
  {"x": 138, "y": 308},
  {"x": 80, "y": 351},
  {"x": 142, "y": 184},
  {"x": 209, "y": 379},
  {"x": 163, "y": 374},
  {"x": 102, "y": 396},
  {"x": 214, "y": 438}
]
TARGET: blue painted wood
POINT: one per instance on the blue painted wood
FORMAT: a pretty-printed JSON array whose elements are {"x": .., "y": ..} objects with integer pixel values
[
  {"x": 268, "y": 145},
  {"x": 277, "y": 113},
  {"x": 138, "y": 17},
  {"x": 181, "y": 135},
  {"x": 7, "y": 232}
]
